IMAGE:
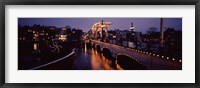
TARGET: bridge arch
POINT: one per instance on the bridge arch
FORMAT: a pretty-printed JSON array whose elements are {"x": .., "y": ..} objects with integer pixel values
[
  {"x": 98, "y": 48},
  {"x": 127, "y": 62},
  {"x": 107, "y": 53},
  {"x": 94, "y": 45},
  {"x": 89, "y": 45}
]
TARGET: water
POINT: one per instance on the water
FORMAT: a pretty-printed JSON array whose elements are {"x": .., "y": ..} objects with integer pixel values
[
  {"x": 90, "y": 59},
  {"x": 32, "y": 54},
  {"x": 85, "y": 58}
]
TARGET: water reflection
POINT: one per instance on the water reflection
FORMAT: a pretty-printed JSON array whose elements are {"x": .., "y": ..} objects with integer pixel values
[
  {"x": 90, "y": 59},
  {"x": 35, "y": 46},
  {"x": 96, "y": 60}
]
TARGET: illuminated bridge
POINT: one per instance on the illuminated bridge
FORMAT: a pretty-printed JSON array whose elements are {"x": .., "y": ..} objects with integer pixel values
[{"x": 150, "y": 61}]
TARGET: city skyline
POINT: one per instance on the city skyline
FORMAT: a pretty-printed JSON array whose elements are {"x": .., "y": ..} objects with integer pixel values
[{"x": 141, "y": 24}]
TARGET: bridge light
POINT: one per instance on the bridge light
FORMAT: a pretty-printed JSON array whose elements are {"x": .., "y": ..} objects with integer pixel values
[
  {"x": 167, "y": 57},
  {"x": 162, "y": 56},
  {"x": 153, "y": 54},
  {"x": 179, "y": 60},
  {"x": 157, "y": 55},
  {"x": 173, "y": 59}
]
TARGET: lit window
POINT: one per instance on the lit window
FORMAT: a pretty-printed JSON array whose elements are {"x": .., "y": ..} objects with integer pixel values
[
  {"x": 41, "y": 33},
  {"x": 36, "y": 35},
  {"x": 29, "y": 30},
  {"x": 64, "y": 29},
  {"x": 52, "y": 28},
  {"x": 63, "y": 37}
]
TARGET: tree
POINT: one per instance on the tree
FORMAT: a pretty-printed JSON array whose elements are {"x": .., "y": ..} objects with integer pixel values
[
  {"x": 170, "y": 37},
  {"x": 151, "y": 30},
  {"x": 68, "y": 27},
  {"x": 152, "y": 34}
]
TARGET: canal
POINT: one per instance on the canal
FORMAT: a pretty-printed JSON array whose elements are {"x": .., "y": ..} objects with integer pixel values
[
  {"x": 84, "y": 57},
  {"x": 90, "y": 59}
]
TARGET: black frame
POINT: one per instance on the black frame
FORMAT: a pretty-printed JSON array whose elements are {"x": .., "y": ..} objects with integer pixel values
[{"x": 99, "y": 2}]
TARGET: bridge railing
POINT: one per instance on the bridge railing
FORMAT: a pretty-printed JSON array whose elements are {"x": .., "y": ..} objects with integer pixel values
[{"x": 55, "y": 61}]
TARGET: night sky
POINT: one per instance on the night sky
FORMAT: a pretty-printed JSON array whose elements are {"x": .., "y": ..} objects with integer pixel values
[{"x": 141, "y": 24}]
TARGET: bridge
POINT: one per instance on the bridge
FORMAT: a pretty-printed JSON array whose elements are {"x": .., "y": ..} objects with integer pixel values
[
  {"x": 150, "y": 61},
  {"x": 147, "y": 60}
]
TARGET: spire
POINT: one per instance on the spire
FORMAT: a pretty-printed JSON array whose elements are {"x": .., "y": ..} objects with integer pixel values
[
  {"x": 132, "y": 27},
  {"x": 132, "y": 24}
]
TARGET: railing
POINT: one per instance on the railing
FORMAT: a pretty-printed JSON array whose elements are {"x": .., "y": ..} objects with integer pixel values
[{"x": 52, "y": 62}]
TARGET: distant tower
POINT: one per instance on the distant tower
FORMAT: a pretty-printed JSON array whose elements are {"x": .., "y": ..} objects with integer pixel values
[
  {"x": 161, "y": 31},
  {"x": 132, "y": 28}
]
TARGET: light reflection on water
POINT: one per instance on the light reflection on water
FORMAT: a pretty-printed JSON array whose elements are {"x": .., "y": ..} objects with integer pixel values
[
  {"x": 96, "y": 60},
  {"x": 86, "y": 59},
  {"x": 90, "y": 59},
  {"x": 85, "y": 48},
  {"x": 35, "y": 46}
]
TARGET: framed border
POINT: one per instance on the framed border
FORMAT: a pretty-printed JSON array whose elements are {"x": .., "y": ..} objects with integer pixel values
[{"x": 98, "y": 2}]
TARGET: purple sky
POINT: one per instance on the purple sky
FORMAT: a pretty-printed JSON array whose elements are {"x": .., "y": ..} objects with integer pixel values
[{"x": 141, "y": 24}]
